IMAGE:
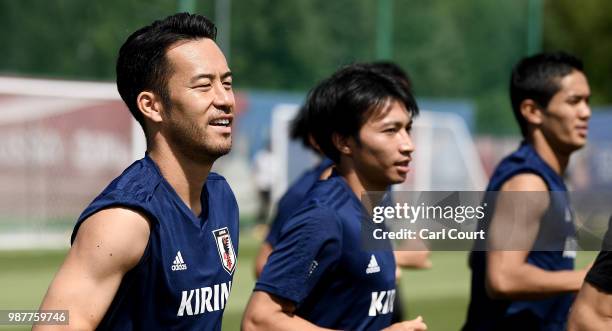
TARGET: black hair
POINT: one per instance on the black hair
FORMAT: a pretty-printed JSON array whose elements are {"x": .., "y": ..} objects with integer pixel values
[
  {"x": 393, "y": 70},
  {"x": 300, "y": 127},
  {"x": 142, "y": 64},
  {"x": 538, "y": 78},
  {"x": 343, "y": 103}
]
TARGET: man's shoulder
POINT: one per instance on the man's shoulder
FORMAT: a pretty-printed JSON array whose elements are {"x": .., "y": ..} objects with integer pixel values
[
  {"x": 532, "y": 171},
  {"x": 327, "y": 203},
  {"x": 323, "y": 200},
  {"x": 139, "y": 181},
  {"x": 298, "y": 190},
  {"x": 331, "y": 192},
  {"x": 133, "y": 189},
  {"x": 118, "y": 233},
  {"x": 525, "y": 182}
]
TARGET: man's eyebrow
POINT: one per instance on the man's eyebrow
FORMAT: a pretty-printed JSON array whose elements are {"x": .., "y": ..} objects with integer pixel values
[
  {"x": 210, "y": 76},
  {"x": 395, "y": 123},
  {"x": 226, "y": 75},
  {"x": 578, "y": 95}
]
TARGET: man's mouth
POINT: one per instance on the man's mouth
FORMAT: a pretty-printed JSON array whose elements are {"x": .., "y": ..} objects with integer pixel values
[
  {"x": 583, "y": 130},
  {"x": 221, "y": 122},
  {"x": 403, "y": 166}
]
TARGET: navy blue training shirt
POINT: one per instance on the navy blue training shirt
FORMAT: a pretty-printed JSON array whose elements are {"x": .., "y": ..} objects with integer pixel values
[
  {"x": 556, "y": 234},
  {"x": 320, "y": 265},
  {"x": 185, "y": 275},
  {"x": 293, "y": 198}
]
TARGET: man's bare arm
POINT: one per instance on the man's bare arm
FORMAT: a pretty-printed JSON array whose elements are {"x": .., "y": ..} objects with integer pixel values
[
  {"x": 508, "y": 273},
  {"x": 268, "y": 312},
  {"x": 417, "y": 259},
  {"x": 592, "y": 310},
  {"x": 108, "y": 244},
  {"x": 262, "y": 257}
]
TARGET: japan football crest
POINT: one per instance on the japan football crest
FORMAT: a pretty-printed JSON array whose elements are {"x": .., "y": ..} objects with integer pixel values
[{"x": 226, "y": 249}]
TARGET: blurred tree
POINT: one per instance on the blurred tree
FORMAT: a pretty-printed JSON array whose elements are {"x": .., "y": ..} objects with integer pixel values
[
  {"x": 463, "y": 49},
  {"x": 585, "y": 29},
  {"x": 451, "y": 49},
  {"x": 291, "y": 45},
  {"x": 70, "y": 38}
]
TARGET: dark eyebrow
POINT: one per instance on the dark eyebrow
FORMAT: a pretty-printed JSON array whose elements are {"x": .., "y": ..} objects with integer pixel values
[
  {"x": 397, "y": 123},
  {"x": 226, "y": 75},
  {"x": 391, "y": 124},
  {"x": 581, "y": 95},
  {"x": 210, "y": 76},
  {"x": 578, "y": 96}
]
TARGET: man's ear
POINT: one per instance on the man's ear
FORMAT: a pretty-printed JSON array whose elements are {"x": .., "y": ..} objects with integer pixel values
[
  {"x": 313, "y": 144},
  {"x": 342, "y": 144},
  {"x": 531, "y": 111},
  {"x": 150, "y": 106}
]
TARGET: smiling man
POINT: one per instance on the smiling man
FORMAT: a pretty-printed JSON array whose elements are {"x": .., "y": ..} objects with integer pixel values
[
  {"x": 517, "y": 287},
  {"x": 156, "y": 250},
  {"x": 319, "y": 276}
]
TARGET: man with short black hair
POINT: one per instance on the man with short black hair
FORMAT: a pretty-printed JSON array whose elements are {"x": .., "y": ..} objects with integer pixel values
[
  {"x": 157, "y": 249},
  {"x": 301, "y": 128},
  {"x": 319, "y": 276},
  {"x": 530, "y": 284}
]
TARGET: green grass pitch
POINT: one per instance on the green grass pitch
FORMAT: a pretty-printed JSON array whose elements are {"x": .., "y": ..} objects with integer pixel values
[{"x": 440, "y": 294}]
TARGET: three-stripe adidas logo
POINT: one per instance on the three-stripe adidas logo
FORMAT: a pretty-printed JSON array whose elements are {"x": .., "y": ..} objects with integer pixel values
[
  {"x": 373, "y": 266},
  {"x": 179, "y": 263}
]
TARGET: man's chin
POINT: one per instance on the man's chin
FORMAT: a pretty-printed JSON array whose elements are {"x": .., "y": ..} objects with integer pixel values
[
  {"x": 569, "y": 146},
  {"x": 397, "y": 179},
  {"x": 219, "y": 151},
  {"x": 578, "y": 144},
  {"x": 208, "y": 153}
]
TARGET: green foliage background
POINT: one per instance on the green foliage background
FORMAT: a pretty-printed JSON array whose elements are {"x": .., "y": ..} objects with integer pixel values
[{"x": 452, "y": 49}]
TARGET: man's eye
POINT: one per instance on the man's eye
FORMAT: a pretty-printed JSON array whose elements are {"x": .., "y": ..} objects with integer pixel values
[{"x": 574, "y": 101}]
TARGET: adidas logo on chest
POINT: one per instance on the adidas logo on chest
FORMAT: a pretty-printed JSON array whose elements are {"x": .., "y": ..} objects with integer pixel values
[
  {"x": 373, "y": 266},
  {"x": 179, "y": 263}
]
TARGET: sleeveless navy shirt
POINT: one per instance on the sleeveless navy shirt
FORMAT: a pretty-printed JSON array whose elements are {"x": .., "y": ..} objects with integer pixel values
[
  {"x": 552, "y": 251},
  {"x": 184, "y": 277}
]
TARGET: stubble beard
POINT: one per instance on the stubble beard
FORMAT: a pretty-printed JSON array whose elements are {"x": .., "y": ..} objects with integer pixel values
[{"x": 192, "y": 141}]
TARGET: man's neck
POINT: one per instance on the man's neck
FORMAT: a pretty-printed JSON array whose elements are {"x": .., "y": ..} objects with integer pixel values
[
  {"x": 357, "y": 183},
  {"x": 555, "y": 158},
  {"x": 186, "y": 176}
]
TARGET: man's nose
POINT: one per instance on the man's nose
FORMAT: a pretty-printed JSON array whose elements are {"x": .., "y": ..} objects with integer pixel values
[
  {"x": 224, "y": 98},
  {"x": 406, "y": 145}
]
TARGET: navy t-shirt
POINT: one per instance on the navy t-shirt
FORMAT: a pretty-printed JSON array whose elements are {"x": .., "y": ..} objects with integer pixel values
[
  {"x": 556, "y": 234},
  {"x": 293, "y": 198},
  {"x": 185, "y": 275},
  {"x": 319, "y": 264}
]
